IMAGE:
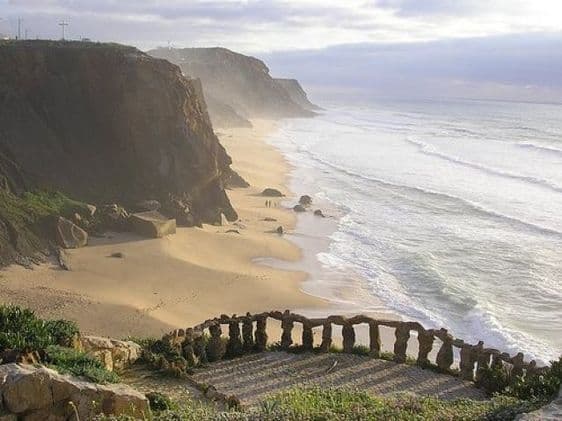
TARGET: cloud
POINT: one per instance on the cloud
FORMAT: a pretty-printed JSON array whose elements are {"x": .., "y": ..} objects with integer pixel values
[
  {"x": 269, "y": 25},
  {"x": 510, "y": 67}
]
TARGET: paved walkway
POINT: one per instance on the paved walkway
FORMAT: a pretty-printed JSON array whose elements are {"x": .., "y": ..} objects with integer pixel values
[{"x": 252, "y": 377}]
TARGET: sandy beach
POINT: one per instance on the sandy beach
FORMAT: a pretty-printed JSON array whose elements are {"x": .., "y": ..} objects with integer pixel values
[{"x": 180, "y": 280}]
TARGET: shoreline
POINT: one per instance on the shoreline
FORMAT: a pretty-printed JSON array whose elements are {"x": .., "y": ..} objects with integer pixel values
[{"x": 180, "y": 280}]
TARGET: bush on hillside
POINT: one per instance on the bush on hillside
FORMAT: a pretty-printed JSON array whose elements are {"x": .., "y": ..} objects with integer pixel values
[
  {"x": 21, "y": 330},
  {"x": 70, "y": 361}
]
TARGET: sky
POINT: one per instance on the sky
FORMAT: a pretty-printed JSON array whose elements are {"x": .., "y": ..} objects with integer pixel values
[{"x": 504, "y": 49}]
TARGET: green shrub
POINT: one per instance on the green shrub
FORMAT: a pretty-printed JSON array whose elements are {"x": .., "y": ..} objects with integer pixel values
[
  {"x": 538, "y": 387},
  {"x": 159, "y": 402},
  {"x": 71, "y": 361},
  {"x": 21, "y": 330}
]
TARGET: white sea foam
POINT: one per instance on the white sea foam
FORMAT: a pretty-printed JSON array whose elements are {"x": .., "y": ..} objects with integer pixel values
[{"x": 463, "y": 232}]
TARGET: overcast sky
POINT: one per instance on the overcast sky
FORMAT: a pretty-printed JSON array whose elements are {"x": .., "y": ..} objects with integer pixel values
[{"x": 390, "y": 46}]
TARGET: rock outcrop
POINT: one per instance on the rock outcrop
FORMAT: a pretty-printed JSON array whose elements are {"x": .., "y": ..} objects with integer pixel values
[
  {"x": 38, "y": 393},
  {"x": 105, "y": 123},
  {"x": 234, "y": 83},
  {"x": 297, "y": 93},
  {"x": 69, "y": 235},
  {"x": 114, "y": 354},
  {"x": 152, "y": 224}
]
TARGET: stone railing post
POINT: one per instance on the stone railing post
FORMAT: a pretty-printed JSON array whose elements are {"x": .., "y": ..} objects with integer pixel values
[
  {"x": 200, "y": 348},
  {"x": 326, "y": 337},
  {"x": 445, "y": 355},
  {"x": 287, "y": 325},
  {"x": 215, "y": 347},
  {"x": 402, "y": 334},
  {"x": 348, "y": 333},
  {"x": 482, "y": 363},
  {"x": 248, "y": 333},
  {"x": 261, "y": 333},
  {"x": 425, "y": 340},
  {"x": 466, "y": 364},
  {"x": 188, "y": 348},
  {"x": 374, "y": 340},
  {"x": 307, "y": 336},
  {"x": 518, "y": 364},
  {"x": 234, "y": 345}
]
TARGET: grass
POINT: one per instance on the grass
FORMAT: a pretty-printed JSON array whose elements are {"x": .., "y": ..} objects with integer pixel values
[
  {"x": 311, "y": 404},
  {"x": 70, "y": 361}
]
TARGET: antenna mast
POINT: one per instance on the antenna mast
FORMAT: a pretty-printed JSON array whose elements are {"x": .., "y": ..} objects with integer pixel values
[{"x": 63, "y": 24}]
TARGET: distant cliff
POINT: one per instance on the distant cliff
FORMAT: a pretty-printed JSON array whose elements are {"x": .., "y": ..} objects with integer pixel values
[
  {"x": 237, "y": 87},
  {"x": 297, "y": 93},
  {"x": 106, "y": 123}
]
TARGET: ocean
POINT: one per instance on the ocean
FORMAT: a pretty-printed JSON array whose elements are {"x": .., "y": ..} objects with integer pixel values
[{"x": 448, "y": 213}]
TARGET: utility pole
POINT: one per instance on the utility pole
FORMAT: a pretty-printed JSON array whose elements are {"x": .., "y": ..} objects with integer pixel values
[
  {"x": 63, "y": 24},
  {"x": 20, "y": 20}
]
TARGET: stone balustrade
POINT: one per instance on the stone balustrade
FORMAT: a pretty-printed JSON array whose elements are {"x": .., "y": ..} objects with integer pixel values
[{"x": 246, "y": 334}]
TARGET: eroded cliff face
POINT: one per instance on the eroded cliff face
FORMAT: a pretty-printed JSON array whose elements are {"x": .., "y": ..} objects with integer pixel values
[
  {"x": 241, "y": 83},
  {"x": 297, "y": 93},
  {"x": 107, "y": 123}
]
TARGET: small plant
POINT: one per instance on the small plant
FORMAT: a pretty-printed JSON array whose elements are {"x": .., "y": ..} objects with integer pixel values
[
  {"x": 70, "y": 361},
  {"x": 159, "y": 402},
  {"x": 21, "y": 330}
]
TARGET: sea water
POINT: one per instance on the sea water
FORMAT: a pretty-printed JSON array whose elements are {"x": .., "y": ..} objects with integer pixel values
[{"x": 450, "y": 212}]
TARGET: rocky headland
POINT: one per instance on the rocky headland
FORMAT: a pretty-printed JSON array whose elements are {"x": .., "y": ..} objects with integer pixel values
[
  {"x": 238, "y": 87},
  {"x": 101, "y": 124}
]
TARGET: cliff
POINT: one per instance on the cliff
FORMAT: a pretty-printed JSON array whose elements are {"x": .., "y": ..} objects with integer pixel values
[
  {"x": 234, "y": 83},
  {"x": 105, "y": 123},
  {"x": 297, "y": 93}
]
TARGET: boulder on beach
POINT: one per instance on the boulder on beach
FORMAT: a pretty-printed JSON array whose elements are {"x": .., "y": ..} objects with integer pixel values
[
  {"x": 305, "y": 200},
  {"x": 113, "y": 217},
  {"x": 269, "y": 192},
  {"x": 69, "y": 235},
  {"x": 152, "y": 224},
  {"x": 148, "y": 205},
  {"x": 299, "y": 208},
  {"x": 318, "y": 212},
  {"x": 279, "y": 230}
]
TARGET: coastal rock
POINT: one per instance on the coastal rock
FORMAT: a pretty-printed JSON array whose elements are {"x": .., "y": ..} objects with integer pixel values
[
  {"x": 69, "y": 235},
  {"x": 270, "y": 192},
  {"x": 152, "y": 224},
  {"x": 269, "y": 219},
  {"x": 319, "y": 213},
  {"x": 305, "y": 200},
  {"x": 39, "y": 393},
  {"x": 279, "y": 230},
  {"x": 299, "y": 208},
  {"x": 113, "y": 218},
  {"x": 148, "y": 205},
  {"x": 297, "y": 93},
  {"x": 235, "y": 86},
  {"x": 154, "y": 140},
  {"x": 233, "y": 180},
  {"x": 180, "y": 210},
  {"x": 114, "y": 354}
]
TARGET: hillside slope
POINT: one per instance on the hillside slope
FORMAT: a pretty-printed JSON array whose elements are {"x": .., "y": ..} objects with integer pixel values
[
  {"x": 240, "y": 82},
  {"x": 107, "y": 123}
]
